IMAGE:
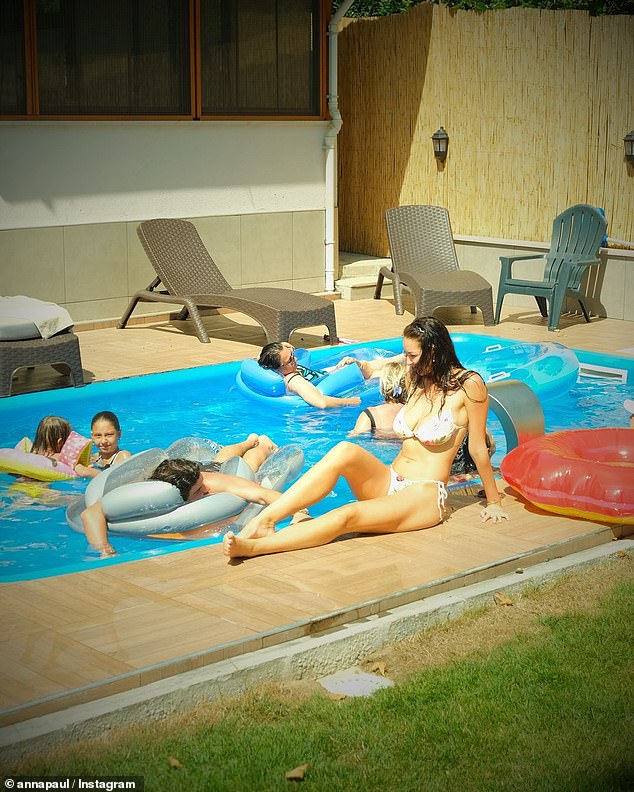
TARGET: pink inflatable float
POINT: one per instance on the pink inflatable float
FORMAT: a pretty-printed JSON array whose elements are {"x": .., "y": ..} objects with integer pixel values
[
  {"x": 586, "y": 473},
  {"x": 21, "y": 462}
]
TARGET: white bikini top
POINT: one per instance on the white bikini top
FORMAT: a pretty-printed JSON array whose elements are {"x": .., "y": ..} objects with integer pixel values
[{"x": 437, "y": 431}]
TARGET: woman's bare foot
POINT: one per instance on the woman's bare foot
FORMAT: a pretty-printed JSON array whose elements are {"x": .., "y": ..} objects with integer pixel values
[
  {"x": 107, "y": 551},
  {"x": 256, "y": 528},
  {"x": 234, "y": 547}
]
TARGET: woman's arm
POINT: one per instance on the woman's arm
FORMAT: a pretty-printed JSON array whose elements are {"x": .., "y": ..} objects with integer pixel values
[
  {"x": 477, "y": 406},
  {"x": 311, "y": 395},
  {"x": 369, "y": 368}
]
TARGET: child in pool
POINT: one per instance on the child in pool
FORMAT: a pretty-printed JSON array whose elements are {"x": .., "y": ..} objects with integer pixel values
[
  {"x": 51, "y": 434},
  {"x": 105, "y": 431}
]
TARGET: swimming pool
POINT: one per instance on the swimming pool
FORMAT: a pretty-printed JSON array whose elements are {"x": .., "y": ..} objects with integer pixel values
[{"x": 157, "y": 409}]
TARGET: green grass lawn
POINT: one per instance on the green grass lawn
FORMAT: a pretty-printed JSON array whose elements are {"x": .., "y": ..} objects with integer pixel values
[{"x": 550, "y": 709}]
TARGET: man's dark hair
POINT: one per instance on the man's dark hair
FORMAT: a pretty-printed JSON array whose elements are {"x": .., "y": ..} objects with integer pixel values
[
  {"x": 270, "y": 356},
  {"x": 182, "y": 473}
]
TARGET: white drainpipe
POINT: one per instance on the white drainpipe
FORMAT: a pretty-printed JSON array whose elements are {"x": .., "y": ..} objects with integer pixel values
[{"x": 330, "y": 144}]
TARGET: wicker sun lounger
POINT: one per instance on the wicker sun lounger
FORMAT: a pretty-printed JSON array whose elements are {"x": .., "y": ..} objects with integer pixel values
[
  {"x": 424, "y": 259},
  {"x": 59, "y": 349},
  {"x": 192, "y": 279}
]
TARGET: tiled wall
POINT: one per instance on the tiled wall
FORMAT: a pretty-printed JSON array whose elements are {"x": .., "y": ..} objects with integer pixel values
[{"x": 92, "y": 270}]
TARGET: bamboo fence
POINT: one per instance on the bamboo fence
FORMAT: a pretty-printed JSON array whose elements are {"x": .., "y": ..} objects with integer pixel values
[{"x": 536, "y": 104}]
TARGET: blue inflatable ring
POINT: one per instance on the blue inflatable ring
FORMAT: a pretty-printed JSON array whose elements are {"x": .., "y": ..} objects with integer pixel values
[{"x": 269, "y": 387}]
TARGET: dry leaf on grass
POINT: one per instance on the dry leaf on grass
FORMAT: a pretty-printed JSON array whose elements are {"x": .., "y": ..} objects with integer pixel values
[
  {"x": 297, "y": 774},
  {"x": 175, "y": 763},
  {"x": 622, "y": 554},
  {"x": 502, "y": 599},
  {"x": 379, "y": 668}
]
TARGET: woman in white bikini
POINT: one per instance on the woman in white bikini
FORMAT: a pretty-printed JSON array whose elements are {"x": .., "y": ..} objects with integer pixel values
[{"x": 444, "y": 400}]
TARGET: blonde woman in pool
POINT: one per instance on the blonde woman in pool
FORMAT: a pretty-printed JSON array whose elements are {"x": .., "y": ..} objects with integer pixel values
[
  {"x": 379, "y": 420},
  {"x": 444, "y": 402}
]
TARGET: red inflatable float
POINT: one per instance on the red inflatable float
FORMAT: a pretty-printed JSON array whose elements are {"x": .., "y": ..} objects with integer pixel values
[{"x": 586, "y": 473}]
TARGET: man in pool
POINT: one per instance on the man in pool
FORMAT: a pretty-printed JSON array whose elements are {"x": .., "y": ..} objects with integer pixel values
[
  {"x": 280, "y": 356},
  {"x": 193, "y": 483}
]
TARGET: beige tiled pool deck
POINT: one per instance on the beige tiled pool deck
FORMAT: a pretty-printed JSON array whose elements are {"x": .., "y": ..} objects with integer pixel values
[{"x": 80, "y": 637}]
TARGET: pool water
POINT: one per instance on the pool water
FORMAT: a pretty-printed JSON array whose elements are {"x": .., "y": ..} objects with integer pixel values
[{"x": 157, "y": 409}]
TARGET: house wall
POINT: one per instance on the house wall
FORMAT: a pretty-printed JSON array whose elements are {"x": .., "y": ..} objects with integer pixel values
[{"x": 72, "y": 194}]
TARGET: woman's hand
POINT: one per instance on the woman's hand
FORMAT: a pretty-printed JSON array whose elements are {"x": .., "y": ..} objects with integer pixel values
[
  {"x": 493, "y": 512},
  {"x": 345, "y": 361},
  {"x": 364, "y": 365}
]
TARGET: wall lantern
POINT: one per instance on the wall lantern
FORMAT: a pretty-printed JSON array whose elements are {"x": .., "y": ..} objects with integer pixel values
[
  {"x": 440, "y": 139},
  {"x": 628, "y": 140}
]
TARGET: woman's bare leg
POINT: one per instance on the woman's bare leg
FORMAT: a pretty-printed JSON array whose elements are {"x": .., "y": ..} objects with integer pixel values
[
  {"x": 366, "y": 475},
  {"x": 411, "y": 509}
]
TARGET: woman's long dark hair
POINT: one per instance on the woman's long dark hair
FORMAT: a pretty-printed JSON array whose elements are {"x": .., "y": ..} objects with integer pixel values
[{"x": 438, "y": 364}]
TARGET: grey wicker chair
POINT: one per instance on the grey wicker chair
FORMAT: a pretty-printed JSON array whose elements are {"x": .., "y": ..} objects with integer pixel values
[
  {"x": 192, "y": 279},
  {"x": 61, "y": 349},
  {"x": 424, "y": 259}
]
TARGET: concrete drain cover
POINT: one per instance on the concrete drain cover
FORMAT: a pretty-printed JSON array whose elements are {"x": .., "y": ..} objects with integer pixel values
[{"x": 352, "y": 682}]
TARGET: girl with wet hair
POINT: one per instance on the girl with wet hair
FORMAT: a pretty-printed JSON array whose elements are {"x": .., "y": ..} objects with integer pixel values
[
  {"x": 105, "y": 432},
  {"x": 51, "y": 434}
]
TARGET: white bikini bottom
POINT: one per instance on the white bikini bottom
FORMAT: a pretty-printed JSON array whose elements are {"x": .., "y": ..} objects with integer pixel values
[{"x": 398, "y": 483}]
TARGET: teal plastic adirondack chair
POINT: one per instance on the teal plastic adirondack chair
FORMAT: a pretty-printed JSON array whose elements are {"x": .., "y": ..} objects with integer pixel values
[{"x": 577, "y": 236}]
